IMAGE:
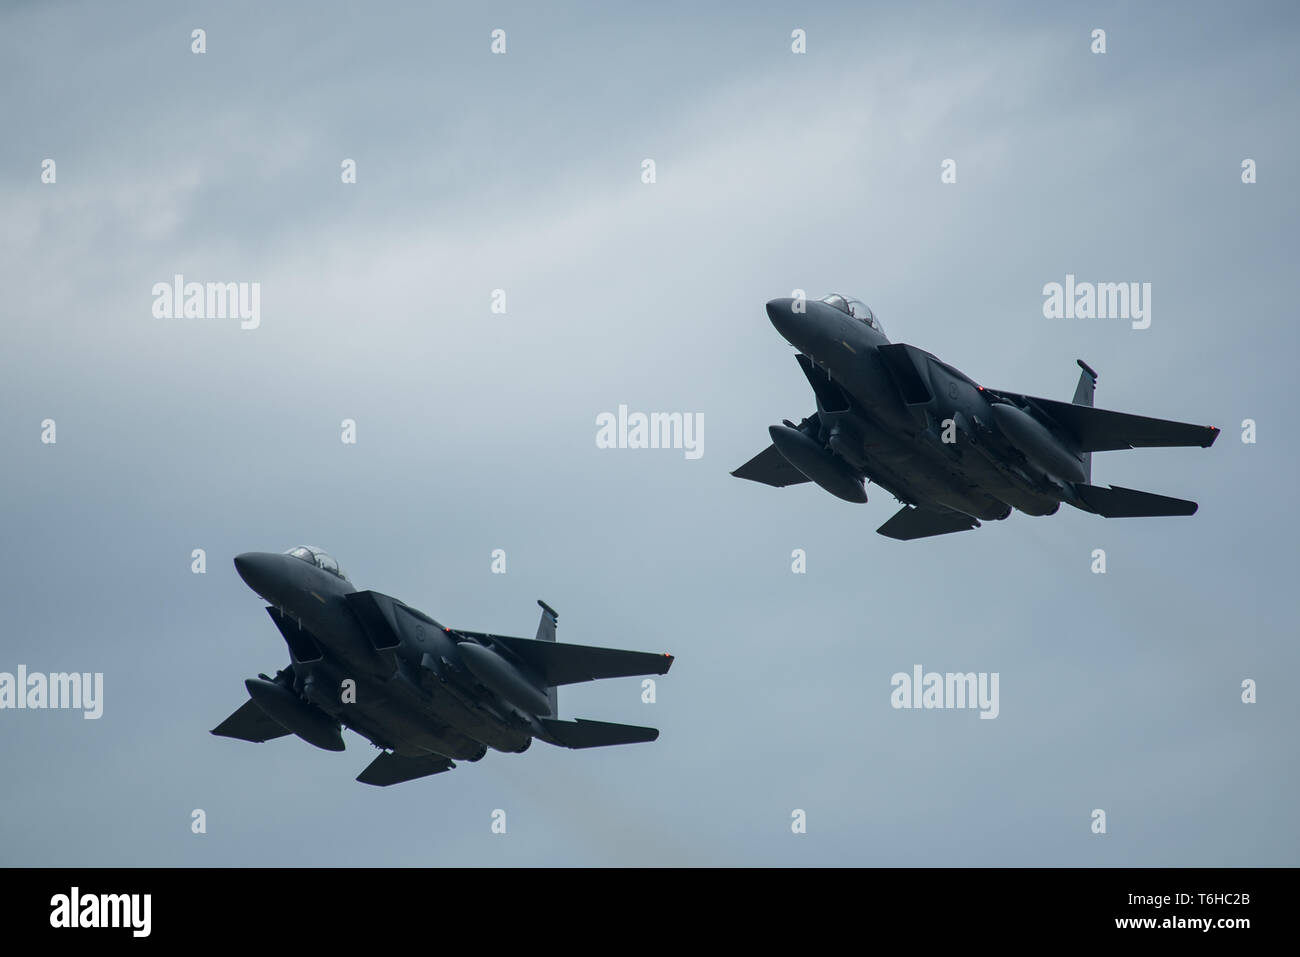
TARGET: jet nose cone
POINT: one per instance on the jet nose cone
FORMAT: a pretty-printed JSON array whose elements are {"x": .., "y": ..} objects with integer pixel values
[
  {"x": 781, "y": 312},
  {"x": 244, "y": 565},
  {"x": 262, "y": 572},
  {"x": 791, "y": 318}
]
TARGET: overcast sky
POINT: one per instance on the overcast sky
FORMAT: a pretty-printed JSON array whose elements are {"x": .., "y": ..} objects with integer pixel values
[{"x": 475, "y": 430}]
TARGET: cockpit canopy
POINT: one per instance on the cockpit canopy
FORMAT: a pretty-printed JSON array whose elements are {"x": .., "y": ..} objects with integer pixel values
[
  {"x": 318, "y": 557},
  {"x": 855, "y": 308}
]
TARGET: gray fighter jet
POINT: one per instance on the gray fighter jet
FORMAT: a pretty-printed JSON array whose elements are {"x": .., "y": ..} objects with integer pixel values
[
  {"x": 424, "y": 693},
  {"x": 952, "y": 451}
]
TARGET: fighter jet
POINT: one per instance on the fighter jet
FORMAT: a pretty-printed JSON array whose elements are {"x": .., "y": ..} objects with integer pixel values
[
  {"x": 425, "y": 694},
  {"x": 951, "y": 451}
]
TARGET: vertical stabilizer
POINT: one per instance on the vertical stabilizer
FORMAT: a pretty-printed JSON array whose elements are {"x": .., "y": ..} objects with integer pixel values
[
  {"x": 1083, "y": 393},
  {"x": 546, "y": 632}
]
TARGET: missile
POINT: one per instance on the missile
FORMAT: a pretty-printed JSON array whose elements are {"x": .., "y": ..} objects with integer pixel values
[
  {"x": 505, "y": 679},
  {"x": 1039, "y": 445},
  {"x": 293, "y": 714},
  {"x": 818, "y": 465}
]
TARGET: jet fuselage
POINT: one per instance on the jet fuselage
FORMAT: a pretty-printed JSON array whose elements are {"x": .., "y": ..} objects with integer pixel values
[
  {"x": 901, "y": 447},
  {"x": 414, "y": 698},
  {"x": 953, "y": 452},
  {"x": 424, "y": 693}
]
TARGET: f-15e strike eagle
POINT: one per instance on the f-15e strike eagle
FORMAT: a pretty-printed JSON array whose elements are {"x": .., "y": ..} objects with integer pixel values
[
  {"x": 424, "y": 693},
  {"x": 952, "y": 451}
]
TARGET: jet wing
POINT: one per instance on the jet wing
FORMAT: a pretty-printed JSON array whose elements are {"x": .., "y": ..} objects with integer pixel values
[
  {"x": 771, "y": 468},
  {"x": 909, "y": 523},
  {"x": 250, "y": 723},
  {"x": 391, "y": 768},
  {"x": 556, "y": 663},
  {"x": 1100, "y": 430}
]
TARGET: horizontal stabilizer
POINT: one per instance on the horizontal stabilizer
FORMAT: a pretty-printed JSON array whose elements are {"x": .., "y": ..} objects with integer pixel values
[
  {"x": 909, "y": 523},
  {"x": 771, "y": 468},
  {"x": 1101, "y": 430},
  {"x": 556, "y": 663},
  {"x": 1116, "y": 502},
  {"x": 250, "y": 723},
  {"x": 391, "y": 768},
  {"x": 595, "y": 734}
]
